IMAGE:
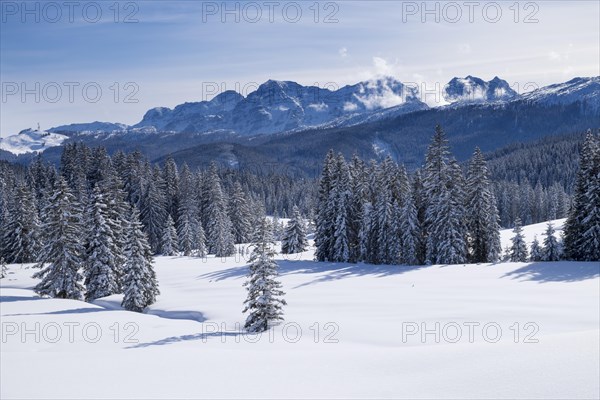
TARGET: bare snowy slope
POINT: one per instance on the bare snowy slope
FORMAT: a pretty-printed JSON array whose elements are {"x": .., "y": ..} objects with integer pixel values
[{"x": 31, "y": 141}]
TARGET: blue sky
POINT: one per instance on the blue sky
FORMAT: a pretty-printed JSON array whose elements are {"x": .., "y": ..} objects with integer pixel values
[{"x": 181, "y": 51}]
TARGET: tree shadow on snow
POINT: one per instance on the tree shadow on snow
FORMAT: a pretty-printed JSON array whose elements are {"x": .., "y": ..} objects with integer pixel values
[
  {"x": 184, "y": 338},
  {"x": 331, "y": 271},
  {"x": 83, "y": 310},
  {"x": 556, "y": 272},
  {"x": 178, "y": 314},
  {"x": 11, "y": 299}
]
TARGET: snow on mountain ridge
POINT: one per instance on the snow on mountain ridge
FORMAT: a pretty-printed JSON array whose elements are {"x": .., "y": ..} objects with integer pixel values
[
  {"x": 471, "y": 89},
  {"x": 31, "y": 141},
  {"x": 584, "y": 89}
]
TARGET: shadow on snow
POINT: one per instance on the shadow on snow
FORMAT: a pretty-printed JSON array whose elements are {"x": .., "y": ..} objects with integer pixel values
[
  {"x": 185, "y": 338},
  {"x": 556, "y": 271},
  {"x": 332, "y": 271}
]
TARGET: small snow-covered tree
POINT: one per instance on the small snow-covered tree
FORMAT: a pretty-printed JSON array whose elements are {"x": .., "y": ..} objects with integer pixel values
[
  {"x": 294, "y": 237},
  {"x": 518, "y": 250},
  {"x": 551, "y": 250},
  {"x": 64, "y": 250},
  {"x": 536, "y": 250},
  {"x": 264, "y": 302},
  {"x": 140, "y": 286},
  {"x": 169, "y": 240},
  {"x": 3, "y": 269}
]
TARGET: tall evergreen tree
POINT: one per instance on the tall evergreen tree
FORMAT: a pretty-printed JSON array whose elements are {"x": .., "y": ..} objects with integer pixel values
[
  {"x": 140, "y": 286},
  {"x": 239, "y": 213},
  {"x": 582, "y": 232},
  {"x": 21, "y": 235},
  {"x": 324, "y": 235},
  {"x": 169, "y": 243},
  {"x": 188, "y": 224},
  {"x": 264, "y": 302},
  {"x": 219, "y": 234},
  {"x": 411, "y": 232},
  {"x": 153, "y": 212},
  {"x": 101, "y": 267},
  {"x": 435, "y": 191},
  {"x": 64, "y": 250},
  {"x": 481, "y": 213},
  {"x": 3, "y": 268}
]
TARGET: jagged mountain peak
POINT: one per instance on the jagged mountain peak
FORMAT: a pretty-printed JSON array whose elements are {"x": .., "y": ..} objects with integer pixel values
[{"x": 471, "y": 89}]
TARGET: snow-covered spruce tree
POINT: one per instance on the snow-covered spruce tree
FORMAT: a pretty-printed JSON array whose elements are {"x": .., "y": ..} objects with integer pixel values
[
  {"x": 3, "y": 268},
  {"x": 63, "y": 250},
  {"x": 448, "y": 231},
  {"x": 434, "y": 186},
  {"x": 21, "y": 235},
  {"x": 219, "y": 233},
  {"x": 381, "y": 223},
  {"x": 483, "y": 222},
  {"x": 294, "y": 237},
  {"x": 419, "y": 200},
  {"x": 73, "y": 164},
  {"x": 200, "y": 240},
  {"x": 358, "y": 196},
  {"x": 153, "y": 212},
  {"x": 341, "y": 201},
  {"x": 169, "y": 242},
  {"x": 188, "y": 224},
  {"x": 140, "y": 286},
  {"x": 552, "y": 249},
  {"x": 518, "y": 250},
  {"x": 582, "y": 228},
  {"x": 239, "y": 213},
  {"x": 264, "y": 302},
  {"x": 101, "y": 265},
  {"x": 411, "y": 232},
  {"x": 536, "y": 250},
  {"x": 325, "y": 218},
  {"x": 117, "y": 211},
  {"x": 171, "y": 179},
  {"x": 365, "y": 235}
]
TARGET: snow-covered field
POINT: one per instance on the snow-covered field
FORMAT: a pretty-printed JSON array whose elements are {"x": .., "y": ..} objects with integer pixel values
[{"x": 510, "y": 330}]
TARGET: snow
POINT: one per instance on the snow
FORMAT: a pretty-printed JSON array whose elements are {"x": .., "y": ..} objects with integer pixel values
[
  {"x": 361, "y": 353},
  {"x": 530, "y": 231},
  {"x": 30, "y": 141}
]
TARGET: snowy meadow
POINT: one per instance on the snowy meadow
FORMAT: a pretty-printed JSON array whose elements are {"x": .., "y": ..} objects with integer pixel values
[{"x": 503, "y": 330}]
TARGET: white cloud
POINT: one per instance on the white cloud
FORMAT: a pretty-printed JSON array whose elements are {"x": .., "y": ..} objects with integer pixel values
[
  {"x": 343, "y": 52},
  {"x": 382, "y": 67},
  {"x": 350, "y": 106},
  {"x": 319, "y": 107}
]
